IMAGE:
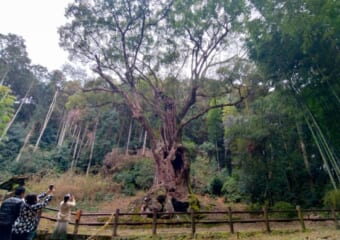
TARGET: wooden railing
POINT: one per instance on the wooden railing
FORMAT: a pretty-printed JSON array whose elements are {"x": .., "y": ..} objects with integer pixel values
[{"x": 192, "y": 219}]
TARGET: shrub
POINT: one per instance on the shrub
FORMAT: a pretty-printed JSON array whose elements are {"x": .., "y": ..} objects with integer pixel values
[
  {"x": 136, "y": 176},
  {"x": 231, "y": 190},
  {"x": 194, "y": 203},
  {"x": 332, "y": 199},
  {"x": 215, "y": 186},
  {"x": 284, "y": 206}
]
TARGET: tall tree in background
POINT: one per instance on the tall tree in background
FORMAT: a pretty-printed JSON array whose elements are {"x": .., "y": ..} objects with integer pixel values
[
  {"x": 139, "y": 48},
  {"x": 296, "y": 45}
]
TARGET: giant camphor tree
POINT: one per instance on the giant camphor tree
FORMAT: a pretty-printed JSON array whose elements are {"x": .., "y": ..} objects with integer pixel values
[{"x": 157, "y": 54}]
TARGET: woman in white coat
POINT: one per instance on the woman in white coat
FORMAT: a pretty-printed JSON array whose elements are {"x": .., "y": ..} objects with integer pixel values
[{"x": 63, "y": 217}]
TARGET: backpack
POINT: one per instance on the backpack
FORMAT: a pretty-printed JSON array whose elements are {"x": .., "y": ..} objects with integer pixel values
[{"x": 10, "y": 210}]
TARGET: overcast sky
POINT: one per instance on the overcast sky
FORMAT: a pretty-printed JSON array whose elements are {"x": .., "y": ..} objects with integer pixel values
[{"x": 37, "y": 22}]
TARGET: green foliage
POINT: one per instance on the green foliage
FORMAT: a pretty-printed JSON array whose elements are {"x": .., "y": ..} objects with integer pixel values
[
  {"x": 215, "y": 134},
  {"x": 295, "y": 44},
  {"x": 266, "y": 152},
  {"x": 136, "y": 176},
  {"x": 6, "y": 107},
  {"x": 202, "y": 169},
  {"x": 207, "y": 148},
  {"x": 332, "y": 199},
  {"x": 231, "y": 189},
  {"x": 191, "y": 147},
  {"x": 34, "y": 163}
]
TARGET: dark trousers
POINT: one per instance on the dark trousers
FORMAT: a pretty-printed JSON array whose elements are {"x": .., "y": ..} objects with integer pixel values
[
  {"x": 23, "y": 236},
  {"x": 5, "y": 232}
]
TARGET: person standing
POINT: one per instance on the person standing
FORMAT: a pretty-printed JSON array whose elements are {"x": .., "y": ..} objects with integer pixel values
[
  {"x": 63, "y": 217},
  {"x": 26, "y": 224},
  {"x": 9, "y": 211}
]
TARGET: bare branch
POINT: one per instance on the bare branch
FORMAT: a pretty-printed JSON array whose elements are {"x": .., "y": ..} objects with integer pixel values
[
  {"x": 97, "y": 89},
  {"x": 99, "y": 105},
  {"x": 108, "y": 79}
]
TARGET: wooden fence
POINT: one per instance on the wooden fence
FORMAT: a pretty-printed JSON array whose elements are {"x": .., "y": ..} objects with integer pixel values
[{"x": 193, "y": 219}]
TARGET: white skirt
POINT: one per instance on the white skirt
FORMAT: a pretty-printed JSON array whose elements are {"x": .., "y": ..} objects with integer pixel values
[{"x": 60, "y": 231}]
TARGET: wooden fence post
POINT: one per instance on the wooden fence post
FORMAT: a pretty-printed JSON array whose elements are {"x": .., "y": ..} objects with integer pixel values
[
  {"x": 231, "y": 220},
  {"x": 154, "y": 222},
  {"x": 300, "y": 216},
  {"x": 266, "y": 218},
  {"x": 193, "y": 226},
  {"x": 115, "y": 223},
  {"x": 335, "y": 218},
  {"x": 76, "y": 223}
]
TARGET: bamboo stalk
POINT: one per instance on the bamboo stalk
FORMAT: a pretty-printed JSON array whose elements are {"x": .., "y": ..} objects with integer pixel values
[
  {"x": 47, "y": 118},
  {"x": 28, "y": 136},
  {"x": 128, "y": 140},
  {"x": 92, "y": 147}
]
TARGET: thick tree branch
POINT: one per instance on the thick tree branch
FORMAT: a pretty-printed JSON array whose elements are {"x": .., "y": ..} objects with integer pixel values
[
  {"x": 190, "y": 101},
  {"x": 207, "y": 110}
]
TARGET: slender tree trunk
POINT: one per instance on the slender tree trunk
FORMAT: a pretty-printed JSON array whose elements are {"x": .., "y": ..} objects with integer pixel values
[
  {"x": 61, "y": 126},
  {"x": 63, "y": 130},
  {"x": 128, "y": 140},
  {"x": 4, "y": 77},
  {"x": 119, "y": 137},
  {"x": 92, "y": 147},
  {"x": 74, "y": 155},
  {"x": 16, "y": 112},
  {"x": 285, "y": 172},
  {"x": 47, "y": 119},
  {"x": 322, "y": 155},
  {"x": 144, "y": 142},
  {"x": 73, "y": 135},
  {"x": 141, "y": 135},
  {"x": 27, "y": 138},
  {"x": 305, "y": 155},
  {"x": 81, "y": 146},
  {"x": 217, "y": 156}
]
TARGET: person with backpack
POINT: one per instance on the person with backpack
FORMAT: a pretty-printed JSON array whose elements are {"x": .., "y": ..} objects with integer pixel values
[
  {"x": 9, "y": 211},
  {"x": 27, "y": 222}
]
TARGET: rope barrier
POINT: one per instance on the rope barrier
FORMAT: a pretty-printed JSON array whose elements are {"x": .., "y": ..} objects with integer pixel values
[{"x": 102, "y": 228}]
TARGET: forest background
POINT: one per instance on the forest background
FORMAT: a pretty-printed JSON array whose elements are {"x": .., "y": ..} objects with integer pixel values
[{"x": 279, "y": 145}]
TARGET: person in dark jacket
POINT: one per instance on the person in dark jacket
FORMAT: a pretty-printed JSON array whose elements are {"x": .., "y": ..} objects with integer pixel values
[
  {"x": 9, "y": 211},
  {"x": 26, "y": 224}
]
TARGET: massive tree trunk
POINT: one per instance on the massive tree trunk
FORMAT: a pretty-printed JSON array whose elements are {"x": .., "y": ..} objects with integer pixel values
[
  {"x": 170, "y": 189},
  {"x": 172, "y": 174}
]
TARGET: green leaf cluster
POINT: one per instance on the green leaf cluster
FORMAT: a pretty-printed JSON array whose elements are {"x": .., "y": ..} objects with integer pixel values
[{"x": 6, "y": 107}]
